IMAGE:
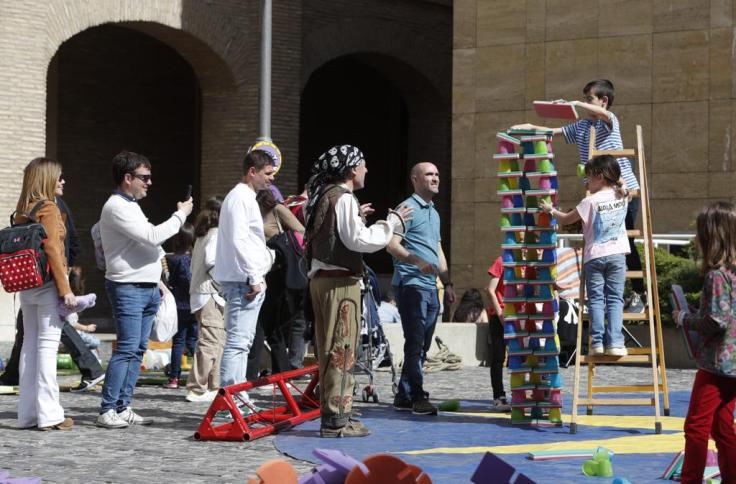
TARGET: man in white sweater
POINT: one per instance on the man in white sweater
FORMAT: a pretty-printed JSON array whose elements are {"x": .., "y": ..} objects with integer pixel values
[
  {"x": 132, "y": 247},
  {"x": 241, "y": 263}
]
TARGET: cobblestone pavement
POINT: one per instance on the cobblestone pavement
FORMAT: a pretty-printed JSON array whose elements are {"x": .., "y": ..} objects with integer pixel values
[{"x": 166, "y": 451}]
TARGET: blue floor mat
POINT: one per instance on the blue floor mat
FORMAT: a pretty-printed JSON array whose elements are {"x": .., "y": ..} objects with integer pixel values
[{"x": 452, "y": 444}]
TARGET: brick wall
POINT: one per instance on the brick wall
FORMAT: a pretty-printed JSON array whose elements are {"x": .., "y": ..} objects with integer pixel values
[
  {"x": 670, "y": 60},
  {"x": 219, "y": 40}
]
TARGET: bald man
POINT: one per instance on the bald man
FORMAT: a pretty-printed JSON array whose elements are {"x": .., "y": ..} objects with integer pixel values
[{"x": 418, "y": 260}]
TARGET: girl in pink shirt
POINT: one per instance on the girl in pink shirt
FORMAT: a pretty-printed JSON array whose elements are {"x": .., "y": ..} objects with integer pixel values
[{"x": 603, "y": 213}]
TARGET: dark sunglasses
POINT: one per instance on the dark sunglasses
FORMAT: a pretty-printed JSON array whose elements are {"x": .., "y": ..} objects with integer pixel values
[{"x": 143, "y": 178}]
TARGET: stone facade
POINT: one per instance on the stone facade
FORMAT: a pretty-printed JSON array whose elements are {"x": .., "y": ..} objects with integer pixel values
[
  {"x": 671, "y": 62},
  {"x": 45, "y": 85}
]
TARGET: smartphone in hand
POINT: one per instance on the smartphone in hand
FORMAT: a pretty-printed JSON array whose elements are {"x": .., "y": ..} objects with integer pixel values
[{"x": 189, "y": 193}]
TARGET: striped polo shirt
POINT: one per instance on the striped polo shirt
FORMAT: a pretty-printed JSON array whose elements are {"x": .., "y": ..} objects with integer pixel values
[
  {"x": 607, "y": 138},
  {"x": 569, "y": 266}
]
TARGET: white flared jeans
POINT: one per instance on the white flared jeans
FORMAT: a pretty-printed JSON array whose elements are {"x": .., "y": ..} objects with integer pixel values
[{"x": 38, "y": 404}]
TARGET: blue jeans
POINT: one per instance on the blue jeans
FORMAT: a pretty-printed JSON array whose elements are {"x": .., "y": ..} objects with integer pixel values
[
  {"x": 186, "y": 335},
  {"x": 241, "y": 317},
  {"x": 133, "y": 307},
  {"x": 604, "y": 283},
  {"x": 418, "y": 307}
]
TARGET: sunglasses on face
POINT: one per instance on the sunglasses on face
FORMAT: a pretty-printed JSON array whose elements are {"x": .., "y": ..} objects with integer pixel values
[{"x": 143, "y": 178}]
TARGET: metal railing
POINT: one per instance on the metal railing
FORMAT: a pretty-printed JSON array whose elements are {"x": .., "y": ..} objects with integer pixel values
[{"x": 659, "y": 240}]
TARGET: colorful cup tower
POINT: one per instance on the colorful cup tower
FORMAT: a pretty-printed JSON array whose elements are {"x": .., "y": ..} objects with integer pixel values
[{"x": 526, "y": 176}]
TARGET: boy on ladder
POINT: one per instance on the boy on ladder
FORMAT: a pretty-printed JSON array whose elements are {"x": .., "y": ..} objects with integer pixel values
[{"x": 598, "y": 98}]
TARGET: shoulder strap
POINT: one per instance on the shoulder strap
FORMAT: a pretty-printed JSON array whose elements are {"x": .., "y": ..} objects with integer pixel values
[
  {"x": 35, "y": 209},
  {"x": 278, "y": 221},
  {"x": 30, "y": 215}
]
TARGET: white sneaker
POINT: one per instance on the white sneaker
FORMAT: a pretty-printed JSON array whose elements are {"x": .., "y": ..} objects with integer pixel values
[
  {"x": 596, "y": 350},
  {"x": 111, "y": 420},
  {"x": 500, "y": 405},
  {"x": 132, "y": 418},
  {"x": 207, "y": 396},
  {"x": 637, "y": 303},
  {"x": 616, "y": 352}
]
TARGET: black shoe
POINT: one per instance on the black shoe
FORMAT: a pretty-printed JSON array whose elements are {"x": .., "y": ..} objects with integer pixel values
[
  {"x": 423, "y": 407},
  {"x": 85, "y": 385},
  {"x": 353, "y": 428},
  {"x": 402, "y": 404}
]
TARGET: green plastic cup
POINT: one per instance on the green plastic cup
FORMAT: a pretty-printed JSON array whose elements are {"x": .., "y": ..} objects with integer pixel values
[
  {"x": 605, "y": 468},
  {"x": 544, "y": 166},
  {"x": 590, "y": 468},
  {"x": 581, "y": 171}
]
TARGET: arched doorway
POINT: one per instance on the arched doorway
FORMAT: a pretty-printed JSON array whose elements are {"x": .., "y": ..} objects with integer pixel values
[
  {"x": 390, "y": 111},
  {"x": 112, "y": 88}
]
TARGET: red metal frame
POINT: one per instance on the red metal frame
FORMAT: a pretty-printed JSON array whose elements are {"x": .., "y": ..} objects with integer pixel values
[{"x": 265, "y": 422}]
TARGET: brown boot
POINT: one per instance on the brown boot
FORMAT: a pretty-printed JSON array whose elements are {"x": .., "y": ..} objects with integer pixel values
[{"x": 353, "y": 428}]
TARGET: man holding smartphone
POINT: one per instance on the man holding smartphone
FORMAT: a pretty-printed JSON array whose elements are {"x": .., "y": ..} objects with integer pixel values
[{"x": 241, "y": 263}]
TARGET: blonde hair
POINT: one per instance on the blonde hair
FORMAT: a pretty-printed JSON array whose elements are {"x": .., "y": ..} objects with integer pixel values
[
  {"x": 39, "y": 182},
  {"x": 716, "y": 235}
]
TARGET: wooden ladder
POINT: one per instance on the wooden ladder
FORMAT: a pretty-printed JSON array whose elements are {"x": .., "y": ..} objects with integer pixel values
[{"x": 654, "y": 355}]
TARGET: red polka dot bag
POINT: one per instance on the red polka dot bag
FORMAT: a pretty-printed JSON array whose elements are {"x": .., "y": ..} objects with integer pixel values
[{"x": 23, "y": 263}]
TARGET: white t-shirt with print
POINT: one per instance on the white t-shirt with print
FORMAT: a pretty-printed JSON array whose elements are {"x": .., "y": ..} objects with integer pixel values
[{"x": 604, "y": 224}]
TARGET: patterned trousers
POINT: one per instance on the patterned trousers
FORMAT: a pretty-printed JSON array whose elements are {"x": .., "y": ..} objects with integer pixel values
[{"x": 336, "y": 303}]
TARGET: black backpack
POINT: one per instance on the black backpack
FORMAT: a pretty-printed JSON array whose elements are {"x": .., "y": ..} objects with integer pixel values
[{"x": 23, "y": 262}]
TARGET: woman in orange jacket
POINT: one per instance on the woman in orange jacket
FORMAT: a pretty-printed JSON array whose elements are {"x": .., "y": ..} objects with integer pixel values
[{"x": 38, "y": 405}]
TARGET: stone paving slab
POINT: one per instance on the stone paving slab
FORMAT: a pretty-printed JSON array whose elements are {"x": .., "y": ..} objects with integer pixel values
[{"x": 166, "y": 452}]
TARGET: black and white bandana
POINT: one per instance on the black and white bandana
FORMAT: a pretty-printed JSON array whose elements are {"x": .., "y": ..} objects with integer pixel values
[{"x": 331, "y": 166}]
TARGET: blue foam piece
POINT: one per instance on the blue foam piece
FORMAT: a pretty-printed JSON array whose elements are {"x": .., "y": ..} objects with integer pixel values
[{"x": 492, "y": 469}]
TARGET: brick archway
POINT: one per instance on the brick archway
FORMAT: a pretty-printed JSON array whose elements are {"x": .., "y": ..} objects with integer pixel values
[{"x": 409, "y": 63}]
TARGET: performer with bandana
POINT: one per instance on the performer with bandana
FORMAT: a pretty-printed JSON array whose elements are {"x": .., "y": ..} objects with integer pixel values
[{"x": 337, "y": 237}]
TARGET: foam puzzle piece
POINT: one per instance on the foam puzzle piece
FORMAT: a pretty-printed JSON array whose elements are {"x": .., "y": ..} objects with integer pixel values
[
  {"x": 386, "y": 469},
  {"x": 335, "y": 468},
  {"x": 6, "y": 479},
  {"x": 494, "y": 470},
  {"x": 275, "y": 471}
]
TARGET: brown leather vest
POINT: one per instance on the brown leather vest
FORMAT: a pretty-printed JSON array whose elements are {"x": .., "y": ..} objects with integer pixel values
[{"x": 323, "y": 241}]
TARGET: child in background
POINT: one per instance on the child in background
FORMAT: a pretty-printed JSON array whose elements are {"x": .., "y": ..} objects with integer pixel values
[
  {"x": 714, "y": 390},
  {"x": 81, "y": 345},
  {"x": 496, "y": 343},
  {"x": 602, "y": 213},
  {"x": 180, "y": 276},
  {"x": 598, "y": 98},
  {"x": 207, "y": 306},
  {"x": 470, "y": 308}
]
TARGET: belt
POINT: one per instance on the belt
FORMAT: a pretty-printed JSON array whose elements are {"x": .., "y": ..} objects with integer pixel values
[
  {"x": 148, "y": 285},
  {"x": 334, "y": 273}
]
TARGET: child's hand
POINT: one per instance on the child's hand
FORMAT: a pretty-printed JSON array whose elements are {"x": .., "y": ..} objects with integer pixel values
[
  {"x": 676, "y": 317},
  {"x": 91, "y": 328},
  {"x": 546, "y": 206}
]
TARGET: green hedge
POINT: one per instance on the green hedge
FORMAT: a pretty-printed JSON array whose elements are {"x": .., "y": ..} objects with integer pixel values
[{"x": 672, "y": 269}]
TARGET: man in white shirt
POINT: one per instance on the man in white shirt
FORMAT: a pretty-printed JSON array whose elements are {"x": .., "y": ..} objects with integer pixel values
[
  {"x": 132, "y": 247},
  {"x": 241, "y": 263},
  {"x": 336, "y": 238}
]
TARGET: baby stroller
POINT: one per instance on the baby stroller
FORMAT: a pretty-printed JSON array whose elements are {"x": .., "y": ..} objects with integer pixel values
[{"x": 373, "y": 347}]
